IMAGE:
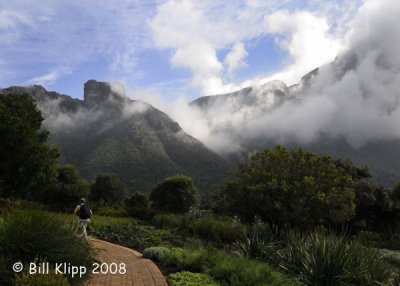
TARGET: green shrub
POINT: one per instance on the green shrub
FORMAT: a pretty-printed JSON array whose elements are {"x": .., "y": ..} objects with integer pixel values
[
  {"x": 212, "y": 229},
  {"x": 113, "y": 229},
  {"x": 390, "y": 256},
  {"x": 186, "y": 278},
  {"x": 379, "y": 240},
  {"x": 196, "y": 213},
  {"x": 195, "y": 260},
  {"x": 141, "y": 213},
  {"x": 138, "y": 200},
  {"x": 108, "y": 189},
  {"x": 243, "y": 271},
  {"x": 392, "y": 244},
  {"x": 101, "y": 221},
  {"x": 167, "y": 221},
  {"x": 7, "y": 204},
  {"x": 205, "y": 227},
  {"x": 127, "y": 232},
  {"x": 51, "y": 279},
  {"x": 110, "y": 211},
  {"x": 173, "y": 257},
  {"x": 26, "y": 235},
  {"x": 156, "y": 253},
  {"x": 326, "y": 259},
  {"x": 234, "y": 270},
  {"x": 369, "y": 238},
  {"x": 175, "y": 194},
  {"x": 110, "y": 228}
]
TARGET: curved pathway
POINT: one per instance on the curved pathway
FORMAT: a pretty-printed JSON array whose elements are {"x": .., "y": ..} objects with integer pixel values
[{"x": 139, "y": 271}]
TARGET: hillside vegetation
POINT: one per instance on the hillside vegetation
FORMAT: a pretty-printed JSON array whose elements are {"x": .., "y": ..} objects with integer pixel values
[{"x": 110, "y": 133}]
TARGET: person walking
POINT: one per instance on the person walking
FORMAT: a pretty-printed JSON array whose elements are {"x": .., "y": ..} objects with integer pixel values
[{"x": 84, "y": 213}]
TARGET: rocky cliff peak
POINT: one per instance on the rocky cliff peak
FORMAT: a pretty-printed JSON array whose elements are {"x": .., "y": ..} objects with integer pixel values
[{"x": 98, "y": 93}]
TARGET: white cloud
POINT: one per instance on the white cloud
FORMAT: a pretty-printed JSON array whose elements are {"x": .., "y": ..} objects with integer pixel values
[
  {"x": 118, "y": 87},
  {"x": 190, "y": 118},
  {"x": 11, "y": 22},
  {"x": 196, "y": 31},
  {"x": 55, "y": 34},
  {"x": 306, "y": 38},
  {"x": 49, "y": 78},
  {"x": 10, "y": 19},
  {"x": 57, "y": 118},
  {"x": 201, "y": 58},
  {"x": 183, "y": 26},
  {"x": 235, "y": 58},
  {"x": 355, "y": 98}
]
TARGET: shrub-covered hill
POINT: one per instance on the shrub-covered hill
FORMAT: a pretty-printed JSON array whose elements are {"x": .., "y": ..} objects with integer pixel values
[{"x": 108, "y": 132}]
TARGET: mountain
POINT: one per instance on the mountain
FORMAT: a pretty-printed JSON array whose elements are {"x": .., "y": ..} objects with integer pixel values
[
  {"x": 244, "y": 98},
  {"x": 296, "y": 116},
  {"x": 108, "y": 132}
]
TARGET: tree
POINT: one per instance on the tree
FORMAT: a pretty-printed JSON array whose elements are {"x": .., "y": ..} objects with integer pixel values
[
  {"x": 175, "y": 194},
  {"x": 356, "y": 172},
  {"x": 68, "y": 190},
  {"x": 294, "y": 188},
  {"x": 27, "y": 164},
  {"x": 395, "y": 196},
  {"x": 138, "y": 200},
  {"x": 377, "y": 208},
  {"x": 108, "y": 189}
]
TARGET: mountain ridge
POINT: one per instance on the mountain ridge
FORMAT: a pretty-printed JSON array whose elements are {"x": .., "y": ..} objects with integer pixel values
[
  {"x": 109, "y": 132},
  {"x": 380, "y": 154}
]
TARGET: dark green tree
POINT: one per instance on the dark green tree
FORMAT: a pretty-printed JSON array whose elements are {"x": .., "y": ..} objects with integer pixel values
[
  {"x": 374, "y": 203},
  {"x": 387, "y": 210},
  {"x": 27, "y": 164},
  {"x": 357, "y": 173},
  {"x": 108, "y": 189},
  {"x": 68, "y": 190},
  {"x": 395, "y": 196},
  {"x": 138, "y": 200},
  {"x": 365, "y": 200},
  {"x": 175, "y": 194},
  {"x": 377, "y": 208},
  {"x": 297, "y": 189}
]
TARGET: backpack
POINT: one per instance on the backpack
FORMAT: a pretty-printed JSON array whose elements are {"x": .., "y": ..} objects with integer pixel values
[{"x": 84, "y": 212}]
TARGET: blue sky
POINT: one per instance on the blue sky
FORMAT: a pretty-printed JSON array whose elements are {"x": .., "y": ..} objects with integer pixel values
[{"x": 172, "y": 48}]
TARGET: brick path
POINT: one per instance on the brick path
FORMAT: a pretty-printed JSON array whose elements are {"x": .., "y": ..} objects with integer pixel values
[{"x": 139, "y": 271}]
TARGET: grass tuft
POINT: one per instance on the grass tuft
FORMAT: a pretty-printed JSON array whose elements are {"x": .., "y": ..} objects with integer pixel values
[{"x": 30, "y": 234}]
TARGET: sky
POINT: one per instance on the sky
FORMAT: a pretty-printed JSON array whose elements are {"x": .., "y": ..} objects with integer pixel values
[
  {"x": 169, "y": 49},
  {"x": 171, "y": 52}
]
